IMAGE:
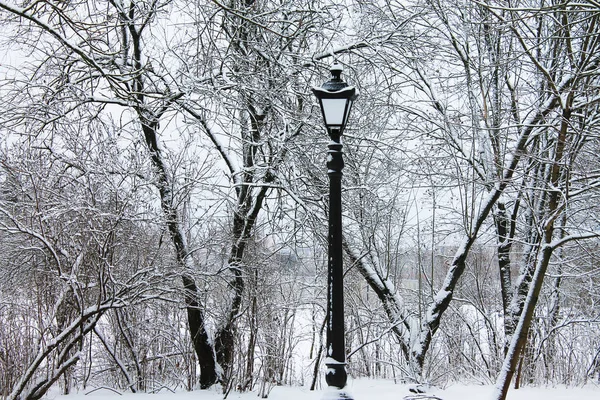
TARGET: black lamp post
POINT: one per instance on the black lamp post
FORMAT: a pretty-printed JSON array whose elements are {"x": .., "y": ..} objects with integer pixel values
[{"x": 335, "y": 98}]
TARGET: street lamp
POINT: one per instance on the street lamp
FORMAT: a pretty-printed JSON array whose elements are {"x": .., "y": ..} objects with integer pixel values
[{"x": 335, "y": 98}]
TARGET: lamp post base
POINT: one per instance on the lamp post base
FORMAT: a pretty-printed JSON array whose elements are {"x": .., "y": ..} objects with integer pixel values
[
  {"x": 336, "y": 375},
  {"x": 336, "y": 378}
]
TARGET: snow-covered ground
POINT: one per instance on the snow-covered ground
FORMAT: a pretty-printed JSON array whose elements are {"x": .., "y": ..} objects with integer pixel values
[{"x": 363, "y": 389}]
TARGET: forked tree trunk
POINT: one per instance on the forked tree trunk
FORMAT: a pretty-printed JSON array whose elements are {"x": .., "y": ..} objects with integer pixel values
[{"x": 519, "y": 340}]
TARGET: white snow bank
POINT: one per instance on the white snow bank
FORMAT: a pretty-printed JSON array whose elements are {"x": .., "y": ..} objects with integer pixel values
[{"x": 362, "y": 389}]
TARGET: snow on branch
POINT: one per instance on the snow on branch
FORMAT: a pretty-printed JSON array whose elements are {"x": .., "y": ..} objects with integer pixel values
[
  {"x": 233, "y": 170},
  {"x": 22, "y": 12}
]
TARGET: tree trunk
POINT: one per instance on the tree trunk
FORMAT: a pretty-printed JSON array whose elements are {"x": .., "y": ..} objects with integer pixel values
[
  {"x": 504, "y": 233},
  {"x": 519, "y": 339},
  {"x": 253, "y": 328},
  {"x": 196, "y": 321}
]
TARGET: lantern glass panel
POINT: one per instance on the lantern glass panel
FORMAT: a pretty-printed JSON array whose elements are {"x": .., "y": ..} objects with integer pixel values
[{"x": 334, "y": 110}]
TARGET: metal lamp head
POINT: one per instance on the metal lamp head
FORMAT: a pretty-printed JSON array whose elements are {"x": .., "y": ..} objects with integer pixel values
[{"x": 335, "y": 98}]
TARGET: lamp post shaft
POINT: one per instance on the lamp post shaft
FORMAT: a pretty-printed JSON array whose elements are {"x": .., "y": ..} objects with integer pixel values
[
  {"x": 335, "y": 98},
  {"x": 336, "y": 353}
]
